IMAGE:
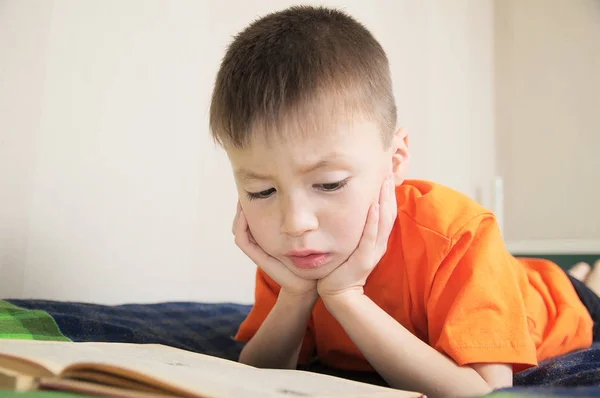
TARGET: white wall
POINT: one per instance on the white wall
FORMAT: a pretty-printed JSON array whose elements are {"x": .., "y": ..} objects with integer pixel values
[
  {"x": 548, "y": 131},
  {"x": 111, "y": 188},
  {"x": 24, "y": 28}
]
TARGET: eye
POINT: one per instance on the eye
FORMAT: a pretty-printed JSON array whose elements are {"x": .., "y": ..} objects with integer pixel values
[
  {"x": 260, "y": 195},
  {"x": 332, "y": 186}
]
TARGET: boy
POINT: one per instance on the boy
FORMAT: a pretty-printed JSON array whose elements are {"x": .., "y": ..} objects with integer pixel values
[{"x": 376, "y": 273}]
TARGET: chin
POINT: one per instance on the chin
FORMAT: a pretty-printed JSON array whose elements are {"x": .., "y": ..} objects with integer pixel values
[{"x": 315, "y": 273}]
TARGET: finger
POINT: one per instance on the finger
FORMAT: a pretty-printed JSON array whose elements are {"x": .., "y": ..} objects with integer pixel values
[
  {"x": 251, "y": 238},
  {"x": 248, "y": 245},
  {"x": 236, "y": 218},
  {"x": 369, "y": 236},
  {"x": 244, "y": 240},
  {"x": 243, "y": 236},
  {"x": 388, "y": 211},
  {"x": 240, "y": 228},
  {"x": 384, "y": 191}
]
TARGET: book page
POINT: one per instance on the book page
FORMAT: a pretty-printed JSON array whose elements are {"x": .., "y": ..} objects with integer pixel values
[
  {"x": 195, "y": 373},
  {"x": 56, "y": 356},
  {"x": 12, "y": 380}
]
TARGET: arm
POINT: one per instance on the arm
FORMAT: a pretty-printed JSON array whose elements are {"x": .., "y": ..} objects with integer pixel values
[
  {"x": 496, "y": 375},
  {"x": 277, "y": 342},
  {"x": 402, "y": 359}
]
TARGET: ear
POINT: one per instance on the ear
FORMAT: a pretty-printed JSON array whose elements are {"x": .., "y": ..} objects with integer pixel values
[{"x": 400, "y": 156}]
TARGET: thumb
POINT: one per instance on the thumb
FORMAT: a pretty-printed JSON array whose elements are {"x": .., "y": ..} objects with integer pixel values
[{"x": 246, "y": 242}]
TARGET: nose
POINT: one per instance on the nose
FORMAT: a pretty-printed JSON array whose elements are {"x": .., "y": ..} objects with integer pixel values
[{"x": 297, "y": 217}]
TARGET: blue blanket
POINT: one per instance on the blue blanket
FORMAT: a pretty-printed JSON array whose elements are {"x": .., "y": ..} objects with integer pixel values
[
  {"x": 209, "y": 329},
  {"x": 205, "y": 328}
]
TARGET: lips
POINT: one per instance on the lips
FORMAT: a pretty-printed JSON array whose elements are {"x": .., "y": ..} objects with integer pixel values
[{"x": 307, "y": 259}]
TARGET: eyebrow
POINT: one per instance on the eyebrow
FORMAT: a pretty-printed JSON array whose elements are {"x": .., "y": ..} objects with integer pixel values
[{"x": 246, "y": 175}]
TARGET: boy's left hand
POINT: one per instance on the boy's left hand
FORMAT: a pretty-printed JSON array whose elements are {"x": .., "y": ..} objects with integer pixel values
[{"x": 352, "y": 275}]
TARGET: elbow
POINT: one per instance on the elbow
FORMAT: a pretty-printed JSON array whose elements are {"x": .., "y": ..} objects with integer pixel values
[
  {"x": 457, "y": 388},
  {"x": 478, "y": 387},
  {"x": 245, "y": 358},
  {"x": 496, "y": 376},
  {"x": 468, "y": 386},
  {"x": 260, "y": 359},
  {"x": 479, "y": 390}
]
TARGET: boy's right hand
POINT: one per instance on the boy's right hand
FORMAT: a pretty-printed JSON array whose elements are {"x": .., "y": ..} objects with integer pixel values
[{"x": 289, "y": 282}]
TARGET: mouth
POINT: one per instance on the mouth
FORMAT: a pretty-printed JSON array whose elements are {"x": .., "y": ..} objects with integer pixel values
[{"x": 308, "y": 259}]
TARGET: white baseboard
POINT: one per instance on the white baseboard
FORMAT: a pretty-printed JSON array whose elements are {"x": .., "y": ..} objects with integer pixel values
[{"x": 554, "y": 246}]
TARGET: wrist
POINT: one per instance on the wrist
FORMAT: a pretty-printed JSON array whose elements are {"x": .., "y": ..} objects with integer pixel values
[
  {"x": 342, "y": 298},
  {"x": 298, "y": 300}
]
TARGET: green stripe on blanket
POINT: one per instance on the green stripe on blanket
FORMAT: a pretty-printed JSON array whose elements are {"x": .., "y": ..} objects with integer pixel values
[{"x": 19, "y": 323}]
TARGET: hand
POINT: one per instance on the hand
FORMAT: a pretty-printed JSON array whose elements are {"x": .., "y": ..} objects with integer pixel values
[
  {"x": 352, "y": 275},
  {"x": 289, "y": 282}
]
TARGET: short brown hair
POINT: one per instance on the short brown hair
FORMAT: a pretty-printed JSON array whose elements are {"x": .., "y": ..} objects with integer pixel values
[{"x": 295, "y": 64}]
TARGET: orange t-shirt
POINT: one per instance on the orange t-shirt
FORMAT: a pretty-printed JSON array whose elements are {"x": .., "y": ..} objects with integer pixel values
[{"x": 448, "y": 279}]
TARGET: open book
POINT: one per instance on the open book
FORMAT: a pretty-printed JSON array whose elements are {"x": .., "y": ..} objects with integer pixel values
[{"x": 151, "y": 370}]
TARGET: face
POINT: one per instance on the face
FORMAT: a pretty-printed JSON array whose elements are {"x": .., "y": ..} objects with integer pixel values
[{"x": 306, "y": 200}]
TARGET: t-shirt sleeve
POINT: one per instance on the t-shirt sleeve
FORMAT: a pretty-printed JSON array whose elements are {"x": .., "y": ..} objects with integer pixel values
[
  {"x": 475, "y": 309},
  {"x": 265, "y": 295}
]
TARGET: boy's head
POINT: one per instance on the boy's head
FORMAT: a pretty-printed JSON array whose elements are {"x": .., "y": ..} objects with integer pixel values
[{"x": 303, "y": 106}]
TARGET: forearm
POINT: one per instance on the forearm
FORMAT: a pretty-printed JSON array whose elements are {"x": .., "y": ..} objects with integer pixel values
[
  {"x": 278, "y": 341},
  {"x": 403, "y": 360}
]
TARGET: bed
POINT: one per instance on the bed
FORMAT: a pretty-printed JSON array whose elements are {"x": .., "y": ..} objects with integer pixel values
[{"x": 209, "y": 328}]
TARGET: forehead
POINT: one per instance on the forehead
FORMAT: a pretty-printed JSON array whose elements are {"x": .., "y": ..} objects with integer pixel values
[{"x": 354, "y": 141}]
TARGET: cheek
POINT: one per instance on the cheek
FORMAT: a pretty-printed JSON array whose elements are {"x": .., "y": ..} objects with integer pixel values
[
  {"x": 262, "y": 225},
  {"x": 348, "y": 221}
]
